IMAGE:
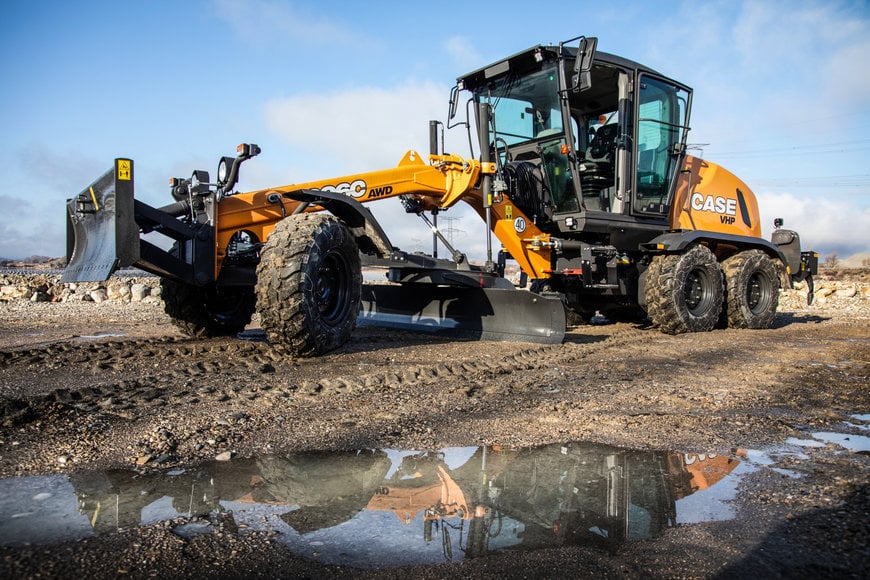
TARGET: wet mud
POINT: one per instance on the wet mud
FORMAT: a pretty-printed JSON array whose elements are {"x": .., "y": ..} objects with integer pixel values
[{"x": 106, "y": 409}]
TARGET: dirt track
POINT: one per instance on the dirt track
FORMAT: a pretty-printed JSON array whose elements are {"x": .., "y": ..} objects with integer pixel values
[{"x": 149, "y": 399}]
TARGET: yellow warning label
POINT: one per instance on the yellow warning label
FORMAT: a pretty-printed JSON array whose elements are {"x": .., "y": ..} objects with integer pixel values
[
  {"x": 124, "y": 169},
  {"x": 508, "y": 212}
]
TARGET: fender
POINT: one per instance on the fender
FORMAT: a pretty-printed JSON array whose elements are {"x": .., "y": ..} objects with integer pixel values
[
  {"x": 370, "y": 236},
  {"x": 673, "y": 242}
]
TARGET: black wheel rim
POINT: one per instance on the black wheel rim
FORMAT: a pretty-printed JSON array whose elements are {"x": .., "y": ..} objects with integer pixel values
[
  {"x": 757, "y": 293},
  {"x": 697, "y": 292},
  {"x": 333, "y": 288}
]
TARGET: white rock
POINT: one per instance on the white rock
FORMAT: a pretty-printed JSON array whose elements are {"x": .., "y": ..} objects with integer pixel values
[
  {"x": 847, "y": 292},
  {"x": 98, "y": 295},
  {"x": 138, "y": 292},
  {"x": 824, "y": 291}
]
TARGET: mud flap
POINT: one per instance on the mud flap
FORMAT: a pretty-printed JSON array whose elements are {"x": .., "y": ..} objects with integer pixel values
[
  {"x": 102, "y": 234},
  {"x": 472, "y": 313}
]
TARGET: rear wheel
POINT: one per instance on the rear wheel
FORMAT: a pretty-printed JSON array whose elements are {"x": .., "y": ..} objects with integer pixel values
[
  {"x": 751, "y": 290},
  {"x": 204, "y": 311},
  {"x": 684, "y": 292},
  {"x": 308, "y": 284}
]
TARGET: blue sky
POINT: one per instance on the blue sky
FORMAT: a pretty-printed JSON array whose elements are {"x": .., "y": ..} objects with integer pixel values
[{"x": 327, "y": 88}]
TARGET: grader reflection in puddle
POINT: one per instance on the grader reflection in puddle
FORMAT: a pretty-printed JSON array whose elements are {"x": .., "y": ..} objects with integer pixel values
[{"x": 378, "y": 508}]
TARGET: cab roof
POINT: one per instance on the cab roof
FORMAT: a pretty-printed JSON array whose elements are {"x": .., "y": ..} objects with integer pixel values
[{"x": 531, "y": 58}]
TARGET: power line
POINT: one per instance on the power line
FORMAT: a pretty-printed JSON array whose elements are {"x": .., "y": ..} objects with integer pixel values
[
  {"x": 858, "y": 179},
  {"x": 799, "y": 150}
]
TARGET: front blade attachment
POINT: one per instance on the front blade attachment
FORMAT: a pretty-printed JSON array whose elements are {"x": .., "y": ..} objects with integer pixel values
[
  {"x": 101, "y": 231},
  {"x": 498, "y": 314}
]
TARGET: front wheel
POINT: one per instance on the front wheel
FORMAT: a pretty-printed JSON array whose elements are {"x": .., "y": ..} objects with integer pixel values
[
  {"x": 207, "y": 311},
  {"x": 309, "y": 282},
  {"x": 751, "y": 290},
  {"x": 684, "y": 292}
]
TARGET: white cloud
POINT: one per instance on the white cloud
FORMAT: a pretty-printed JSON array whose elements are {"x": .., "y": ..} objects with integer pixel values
[
  {"x": 358, "y": 129},
  {"x": 804, "y": 58},
  {"x": 259, "y": 21},
  {"x": 464, "y": 54},
  {"x": 825, "y": 225},
  {"x": 23, "y": 235},
  {"x": 846, "y": 80}
]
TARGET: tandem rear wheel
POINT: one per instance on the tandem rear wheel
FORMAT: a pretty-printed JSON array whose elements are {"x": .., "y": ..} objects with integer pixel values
[
  {"x": 692, "y": 292},
  {"x": 684, "y": 292},
  {"x": 751, "y": 290}
]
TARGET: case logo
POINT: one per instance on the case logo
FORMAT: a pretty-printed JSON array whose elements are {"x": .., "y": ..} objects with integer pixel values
[
  {"x": 725, "y": 207},
  {"x": 355, "y": 189}
]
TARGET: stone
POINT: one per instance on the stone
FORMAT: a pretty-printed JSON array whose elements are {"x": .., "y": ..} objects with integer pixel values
[
  {"x": 824, "y": 292},
  {"x": 118, "y": 291},
  {"x": 138, "y": 292},
  {"x": 99, "y": 295},
  {"x": 847, "y": 292}
]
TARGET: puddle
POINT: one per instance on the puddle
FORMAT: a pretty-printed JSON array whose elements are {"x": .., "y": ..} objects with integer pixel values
[
  {"x": 854, "y": 443},
  {"x": 860, "y": 421},
  {"x": 381, "y": 508},
  {"x": 850, "y": 442}
]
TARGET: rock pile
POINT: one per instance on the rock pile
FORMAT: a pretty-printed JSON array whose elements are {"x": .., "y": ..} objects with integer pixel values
[
  {"x": 48, "y": 288},
  {"x": 829, "y": 294}
]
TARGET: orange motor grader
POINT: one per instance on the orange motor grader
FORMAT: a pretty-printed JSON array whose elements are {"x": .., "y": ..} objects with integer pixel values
[{"x": 581, "y": 173}]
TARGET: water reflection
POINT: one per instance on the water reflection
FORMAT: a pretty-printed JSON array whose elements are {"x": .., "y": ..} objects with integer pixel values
[{"x": 384, "y": 507}]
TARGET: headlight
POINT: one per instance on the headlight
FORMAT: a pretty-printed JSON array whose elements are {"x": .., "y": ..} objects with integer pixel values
[{"x": 224, "y": 167}]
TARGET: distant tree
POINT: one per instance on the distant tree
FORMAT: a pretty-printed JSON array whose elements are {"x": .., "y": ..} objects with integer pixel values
[{"x": 832, "y": 261}]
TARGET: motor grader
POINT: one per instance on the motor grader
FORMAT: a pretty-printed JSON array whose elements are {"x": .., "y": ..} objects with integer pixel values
[{"x": 581, "y": 172}]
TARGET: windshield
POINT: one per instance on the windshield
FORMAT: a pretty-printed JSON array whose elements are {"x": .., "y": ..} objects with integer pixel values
[{"x": 526, "y": 107}]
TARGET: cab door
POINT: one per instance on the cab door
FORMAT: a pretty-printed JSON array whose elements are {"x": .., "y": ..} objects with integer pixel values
[{"x": 662, "y": 117}]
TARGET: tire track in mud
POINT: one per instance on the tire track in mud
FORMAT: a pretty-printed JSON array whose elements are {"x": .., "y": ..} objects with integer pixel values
[
  {"x": 110, "y": 354},
  {"x": 250, "y": 370},
  {"x": 528, "y": 359},
  {"x": 178, "y": 362}
]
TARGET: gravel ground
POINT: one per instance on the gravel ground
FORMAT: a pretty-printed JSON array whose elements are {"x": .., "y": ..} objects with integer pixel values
[{"x": 88, "y": 387}]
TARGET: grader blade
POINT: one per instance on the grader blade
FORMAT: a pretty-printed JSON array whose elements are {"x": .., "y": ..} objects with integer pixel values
[{"x": 497, "y": 314}]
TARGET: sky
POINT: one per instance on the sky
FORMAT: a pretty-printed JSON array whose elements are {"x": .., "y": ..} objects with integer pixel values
[{"x": 328, "y": 88}]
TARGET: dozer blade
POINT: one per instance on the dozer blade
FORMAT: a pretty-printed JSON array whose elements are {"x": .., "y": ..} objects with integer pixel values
[
  {"x": 101, "y": 232},
  {"x": 471, "y": 313}
]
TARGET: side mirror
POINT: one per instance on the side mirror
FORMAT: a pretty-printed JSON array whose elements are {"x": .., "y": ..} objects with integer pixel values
[
  {"x": 454, "y": 103},
  {"x": 582, "y": 77}
]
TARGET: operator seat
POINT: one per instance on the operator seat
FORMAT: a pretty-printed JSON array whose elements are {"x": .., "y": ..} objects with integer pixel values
[{"x": 597, "y": 167}]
